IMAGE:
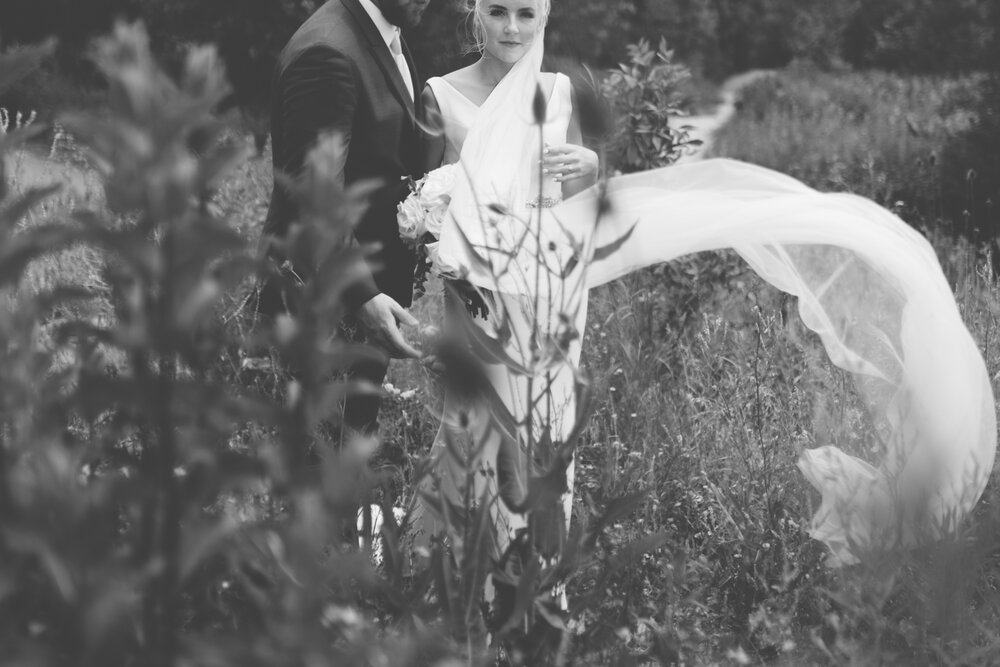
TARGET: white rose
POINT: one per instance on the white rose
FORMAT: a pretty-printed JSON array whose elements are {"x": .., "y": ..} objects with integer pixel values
[
  {"x": 410, "y": 216},
  {"x": 433, "y": 254},
  {"x": 435, "y": 219},
  {"x": 437, "y": 186}
]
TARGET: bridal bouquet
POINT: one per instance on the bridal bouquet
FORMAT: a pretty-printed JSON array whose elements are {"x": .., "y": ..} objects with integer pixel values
[{"x": 420, "y": 217}]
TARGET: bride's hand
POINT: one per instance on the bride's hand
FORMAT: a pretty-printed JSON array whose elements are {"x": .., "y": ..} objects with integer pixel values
[{"x": 568, "y": 162}]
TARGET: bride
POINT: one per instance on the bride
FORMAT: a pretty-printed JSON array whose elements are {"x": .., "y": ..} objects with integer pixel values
[
  {"x": 526, "y": 246},
  {"x": 534, "y": 315}
]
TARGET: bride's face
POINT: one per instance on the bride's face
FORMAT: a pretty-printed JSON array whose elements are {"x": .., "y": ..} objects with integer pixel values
[{"x": 509, "y": 27}]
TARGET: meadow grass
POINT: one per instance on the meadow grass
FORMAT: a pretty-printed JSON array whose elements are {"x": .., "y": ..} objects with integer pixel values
[
  {"x": 709, "y": 387},
  {"x": 876, "y": 134}
]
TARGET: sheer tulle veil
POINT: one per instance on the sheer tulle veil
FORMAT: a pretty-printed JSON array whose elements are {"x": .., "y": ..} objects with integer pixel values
[{"x": 866, "y": 283}]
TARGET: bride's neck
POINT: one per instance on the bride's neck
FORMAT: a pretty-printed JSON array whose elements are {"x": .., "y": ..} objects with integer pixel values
[{"x": 493, "y": 69}]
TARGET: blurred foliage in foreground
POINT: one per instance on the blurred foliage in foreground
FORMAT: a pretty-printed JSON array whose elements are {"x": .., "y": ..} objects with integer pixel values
[
  {"x": 706, "y": 388},
  {"x": 130, "y": 447},
  {"x": 168, "y": 494}
]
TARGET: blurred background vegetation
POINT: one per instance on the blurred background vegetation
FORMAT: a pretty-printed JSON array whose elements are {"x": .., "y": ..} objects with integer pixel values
[{"x": 716, "y": 38}]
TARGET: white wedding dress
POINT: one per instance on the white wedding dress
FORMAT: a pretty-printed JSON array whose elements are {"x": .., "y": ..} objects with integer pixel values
[
  {"x": 870, "y": 286},
  {"x": 526, "y": 323}
]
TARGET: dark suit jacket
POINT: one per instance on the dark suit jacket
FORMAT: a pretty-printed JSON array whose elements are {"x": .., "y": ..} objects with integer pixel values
[{"x": 336, "y": 73}]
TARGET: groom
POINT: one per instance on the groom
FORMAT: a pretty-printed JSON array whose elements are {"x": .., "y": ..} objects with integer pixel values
[{"x": 347, "y": 70}]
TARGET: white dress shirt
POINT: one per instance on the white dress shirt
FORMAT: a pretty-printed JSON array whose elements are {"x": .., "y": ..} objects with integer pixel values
[{"x": 391, "y": 35}]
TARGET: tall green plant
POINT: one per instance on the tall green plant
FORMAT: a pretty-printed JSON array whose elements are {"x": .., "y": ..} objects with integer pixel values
[{"x": 645, "y": 100}]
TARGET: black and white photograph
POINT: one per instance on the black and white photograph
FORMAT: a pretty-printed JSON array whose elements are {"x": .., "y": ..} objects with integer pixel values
[{"x": 499, "y": 333}]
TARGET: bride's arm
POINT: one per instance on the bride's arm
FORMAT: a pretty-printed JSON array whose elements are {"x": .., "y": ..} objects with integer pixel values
[
  {"x": 433, "y": 131},
  {"x": 572, "y": 164}
]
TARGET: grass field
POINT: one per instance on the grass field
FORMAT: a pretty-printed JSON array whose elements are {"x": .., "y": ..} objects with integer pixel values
[
  {"x": 710, "y": 387},
  {"x": 710, "y": 391}
]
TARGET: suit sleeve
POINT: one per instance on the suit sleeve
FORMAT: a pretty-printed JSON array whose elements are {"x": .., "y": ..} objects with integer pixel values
[{"x": 319, "y": 93}]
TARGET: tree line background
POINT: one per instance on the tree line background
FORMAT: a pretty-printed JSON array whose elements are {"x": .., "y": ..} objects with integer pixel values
[{"x": 716, "y": 38}]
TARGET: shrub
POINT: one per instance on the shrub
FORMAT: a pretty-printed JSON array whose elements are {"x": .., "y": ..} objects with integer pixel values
[{"x": 906, "y": 142}]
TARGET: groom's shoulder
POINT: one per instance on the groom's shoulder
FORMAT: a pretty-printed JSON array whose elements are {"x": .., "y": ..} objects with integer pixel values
[
  {"x": 330, "y": 26},
  {"x": 329, "y": 29}
]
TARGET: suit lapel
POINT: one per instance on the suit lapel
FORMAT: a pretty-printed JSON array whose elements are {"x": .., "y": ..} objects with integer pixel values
[
  {"x": 417, "y": 88},
  {"x": 381, "y": 55}
]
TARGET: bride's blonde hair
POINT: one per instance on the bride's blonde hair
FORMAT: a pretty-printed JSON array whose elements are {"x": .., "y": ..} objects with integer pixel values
[{"x": 473, "y": 7}]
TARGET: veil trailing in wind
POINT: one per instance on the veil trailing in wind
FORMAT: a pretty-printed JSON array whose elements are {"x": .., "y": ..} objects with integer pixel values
[{"x": 869, "y": 285}]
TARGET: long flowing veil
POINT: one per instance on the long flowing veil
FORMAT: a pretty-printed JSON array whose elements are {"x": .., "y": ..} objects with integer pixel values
[{"x": 870, "y": 286}]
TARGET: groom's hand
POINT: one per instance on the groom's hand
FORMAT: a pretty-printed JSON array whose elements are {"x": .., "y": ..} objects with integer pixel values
[{"x": 380, "y": 316}]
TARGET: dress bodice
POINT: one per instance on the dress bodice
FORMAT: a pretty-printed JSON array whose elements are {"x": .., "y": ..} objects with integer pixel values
[{"x": 459, "y": 113}]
